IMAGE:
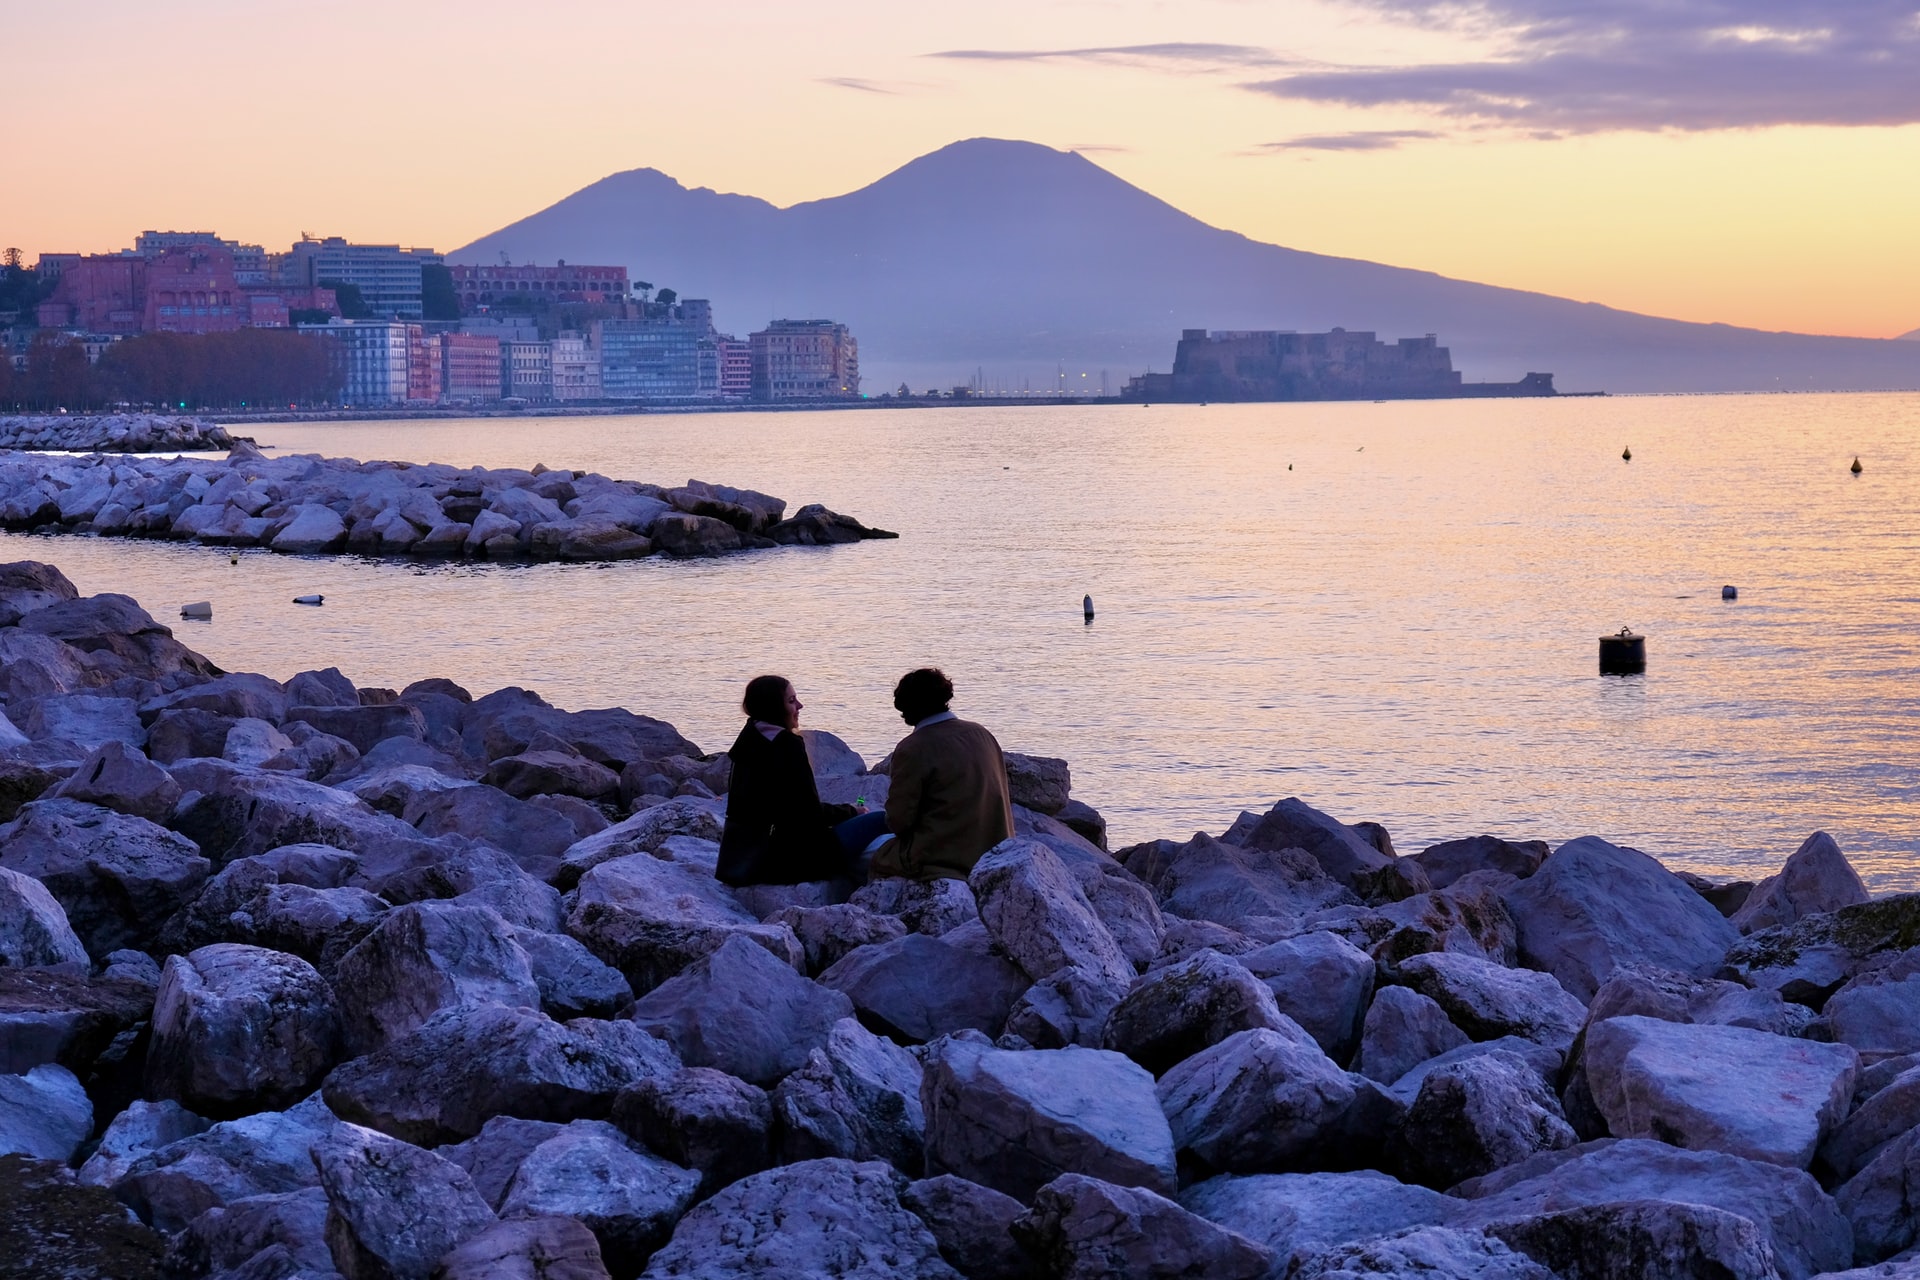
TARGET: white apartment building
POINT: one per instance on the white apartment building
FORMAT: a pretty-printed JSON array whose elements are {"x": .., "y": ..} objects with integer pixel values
[{"x": 575, "y": 366}]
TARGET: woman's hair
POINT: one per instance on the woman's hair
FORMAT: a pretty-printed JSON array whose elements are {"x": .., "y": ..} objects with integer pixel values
[
  {"x": 766, "y": 699},
  {"x": 922, "y": 693}
]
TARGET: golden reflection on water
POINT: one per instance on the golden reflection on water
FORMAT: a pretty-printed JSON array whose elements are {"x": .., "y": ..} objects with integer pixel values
[{"x": 1389, "y": 610}]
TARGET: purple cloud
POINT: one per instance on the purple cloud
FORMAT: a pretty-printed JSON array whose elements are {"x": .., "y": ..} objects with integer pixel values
[
  {"x": 1586, "y": 66},
  {"x": 1243, "y": 55},
  {"x": 1361, "y": 140}
]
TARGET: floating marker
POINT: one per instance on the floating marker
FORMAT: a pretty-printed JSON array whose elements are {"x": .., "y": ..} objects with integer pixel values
[
  {"x": 1729, "y": 593},
  {"x": 1623, "y": 654},
  {"x": 309, "y": 599},
  {"x": 1086, "y": 605},
  {"x": 1626, "y": 454},
  {"x": 234, "y": 558},
  {"x": 200, "y": 609},
  {"x": 1856, "y": 468}
]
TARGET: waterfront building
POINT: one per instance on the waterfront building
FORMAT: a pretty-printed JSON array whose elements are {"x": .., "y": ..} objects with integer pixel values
[
  {"x": 480, "y": 286},
  {"x": 469, "y": 368},
  {"x": 574, "y": 367},
  {"x": 372, "y": 356},
  {"x": 506, "y": 327},
  {"x": 649, "y": 359},
  {"x": 423, "y": 365},
  {"x": 526, "y": 371},
  {"x": 736, "y": 367},
  {"x": 804, "y": 360},
  {"x": 387, "y": 276}
]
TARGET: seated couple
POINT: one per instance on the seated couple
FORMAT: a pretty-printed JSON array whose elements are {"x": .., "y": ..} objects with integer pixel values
[{"x": 948, "y": 800}]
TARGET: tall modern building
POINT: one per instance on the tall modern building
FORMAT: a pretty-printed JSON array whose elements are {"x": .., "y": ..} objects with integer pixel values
[
  {"x": 805, "y": 360},
  {"x": 373, "y": 356},
  {"x": 387, "y": 276},
  {"x": 654, "y": 359}
]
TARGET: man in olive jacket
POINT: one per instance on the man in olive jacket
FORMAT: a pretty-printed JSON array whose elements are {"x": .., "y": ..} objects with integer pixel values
[{"x": 948, "y": 800}]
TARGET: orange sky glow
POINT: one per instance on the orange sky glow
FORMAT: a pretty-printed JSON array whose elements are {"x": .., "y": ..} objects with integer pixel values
[{"x": 1757, "y": 175}]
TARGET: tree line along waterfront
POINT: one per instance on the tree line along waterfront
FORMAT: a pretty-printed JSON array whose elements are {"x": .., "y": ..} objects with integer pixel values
[{"x": 238, "y": 369}]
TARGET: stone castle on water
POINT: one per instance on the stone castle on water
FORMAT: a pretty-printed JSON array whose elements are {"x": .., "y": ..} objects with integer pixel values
[{"x": 1264, "y": 364}]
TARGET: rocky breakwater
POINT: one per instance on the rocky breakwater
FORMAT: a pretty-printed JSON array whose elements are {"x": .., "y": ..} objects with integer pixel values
[
  {"x": 321, "y": 980},
  {"x": 308, "y": 505},
  {"x": 114, "y": 433}
]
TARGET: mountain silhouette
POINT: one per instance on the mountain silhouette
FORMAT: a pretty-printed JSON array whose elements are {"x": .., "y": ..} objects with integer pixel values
[{"x": 1018, "y": 258}]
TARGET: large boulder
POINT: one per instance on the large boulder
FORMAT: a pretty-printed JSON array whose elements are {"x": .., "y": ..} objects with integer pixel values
[
  {"x": 572, "y": 981},
  {"x": 1173, "y": 1013},
  {"x": 118, "y": 877},
  {"x": 1882, "y": 1201},
  {"x": 700, "y": 1118},
  {"x": 1451, "y": 859},
  {"x": 1293, "y": 824},
  {"x": 364, "y": 727},
  {"x": 33, "y": 927},
  {"x": 915, "y": 987},
  {"x": 238, "y": 1029},
  {"x": 1488, "y": 1001},
  {"x": 492, "y": 1156},
  {"x": 1469, "y": 917},
  {"x": 1886, "y": 1113},
  {"x": 628, "y": 1197},
  {"x": 1258, "y": 1100},
  {"x": 393, "y": 1210},
  {"x": 1808, "y": 960},
  {"x": 1321, "y": 981},
  {"x": 118, "y": 777},
  {"x": 742, "y": 1010},
  {"x": 1260, "y": 892},
  {"x": 262, "y": 1154},
  {"x": 830, "y": 933},
  {"x": 1040, "y": 783},
  {"x": 1878, "y": 1012},
  {"x": 1642, "y": 1240},
  {"x": 533, "y": 835},
  {"x": 426, "y": 957},
  {"x": 141, "y": 1128},
  {"x": 119, "y": 637},
  {"x": 1014, "y": 1120},
  {"x": 1423, "y": 1252},
  {"x": 1745, "y": 1092},
  {"x": 650, "y": 919},
  {"x": 44, "y": 1114},
  {"x": 818, "y": 1220},
  {"x": 1402, "y": 1030},
  {"x": 563, "y": 772},
  {"x": 236, "y": 695},
  {"x": 461, "y": 1068},
  {"x": 26, "y": 585},
  {"x": 85, "y": 720},
  {"x": 1298, "y": 1215},
  {"x": 271, "y": 1234},
  {"x": 1594, "y": 906},
  {"x": 542, "y": 1248},
  {"x": 856, "y": 1097},
  {"x": 1085, "y": 1229},
  {"x": 250, "y": 902},
  {"x": 647, "y": 831},
  {"x": 314, "y": 530},
  {"x": 1477, "y": 1115},
  {"x": 90, "y": 1025},
  {"x": 1804, "y": 1226},
  {"x": 973, "y": 1226},
  {"x": 1038, "y": 915},
  {"x": 1815, "y": 880}
]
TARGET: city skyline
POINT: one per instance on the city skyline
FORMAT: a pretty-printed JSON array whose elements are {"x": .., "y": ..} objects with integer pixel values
[{"x": 1755, "y": 167}]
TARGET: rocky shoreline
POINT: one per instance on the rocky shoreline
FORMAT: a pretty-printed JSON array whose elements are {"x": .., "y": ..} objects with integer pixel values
[
  {"x": 304, "y": 504},
  {"x": 115, "y": 433},
  {"x": 304, "y": 979}
]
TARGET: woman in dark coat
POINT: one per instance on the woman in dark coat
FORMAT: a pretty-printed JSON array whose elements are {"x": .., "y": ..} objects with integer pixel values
[{"x": 778, "y": 831}]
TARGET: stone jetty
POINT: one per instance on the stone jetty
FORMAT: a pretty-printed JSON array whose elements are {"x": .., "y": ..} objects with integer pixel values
[
  {"x": 114, "y": 433},
  {"x": 300, "y": 978},
  {"x": 304, "y": 504}
]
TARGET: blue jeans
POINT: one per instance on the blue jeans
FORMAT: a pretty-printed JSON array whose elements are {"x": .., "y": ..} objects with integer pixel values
[{"x": 855, "y": 834}]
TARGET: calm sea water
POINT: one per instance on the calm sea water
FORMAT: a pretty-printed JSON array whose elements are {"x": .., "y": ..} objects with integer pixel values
[{"x": 1390, "y": 610}]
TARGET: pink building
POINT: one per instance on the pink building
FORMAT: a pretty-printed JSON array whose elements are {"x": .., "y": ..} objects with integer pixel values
[
  {"x": 101, "y": 293},
  {"x": 469, "y": 367},
  {"x": 423, "y": 366},
  {"x": 485, "y": 286}
]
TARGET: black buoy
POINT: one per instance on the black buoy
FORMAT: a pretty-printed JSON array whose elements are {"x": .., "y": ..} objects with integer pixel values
[
  {"x": 1729, "y": 593},
  {"x": 1856, "y": 468},
  {"x": 1623, "y": 654},
  {"x": 1086, "y": 606},
  {"x": 1626, "y": 454}
]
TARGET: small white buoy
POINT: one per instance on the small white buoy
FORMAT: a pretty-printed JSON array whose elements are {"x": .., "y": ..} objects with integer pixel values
[
  {"x": 1086, "y": 605},
  {"x": 1729, "y": 593},
  {"x": 201, "y": 609},
  {"x": 309, "y": 599}
]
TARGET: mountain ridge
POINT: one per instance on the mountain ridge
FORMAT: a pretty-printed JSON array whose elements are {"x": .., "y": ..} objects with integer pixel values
[{"x": 1019, "y": 258}]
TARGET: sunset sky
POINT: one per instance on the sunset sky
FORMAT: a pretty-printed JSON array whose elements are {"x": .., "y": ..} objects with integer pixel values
[{"x": 1749, "y": 161}]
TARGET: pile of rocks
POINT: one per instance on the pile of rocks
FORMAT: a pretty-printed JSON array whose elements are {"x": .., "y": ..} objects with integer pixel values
[
  {"x": 114, "y": 433},
  {"x": 304, "y": 504},
  {"x": 322, "y": 980}
]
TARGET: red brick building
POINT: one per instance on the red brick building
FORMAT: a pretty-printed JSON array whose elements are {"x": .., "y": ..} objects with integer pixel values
[
  {"x": 423, "y": 366},
  {"x": 192, "y": 288},
  {"x": 469, "y": 367}
]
